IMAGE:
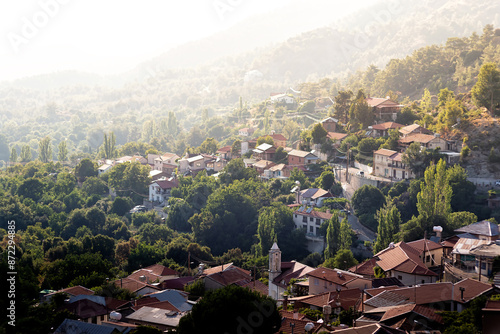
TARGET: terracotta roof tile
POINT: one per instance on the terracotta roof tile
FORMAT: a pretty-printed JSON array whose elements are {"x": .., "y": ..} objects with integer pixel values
[
  {"x": 77, "y": 290},
  {"x": 332, "y": 275},
  {"x": 385, "y": 152},
  {"x": 387, "y": 125},
  {"x": 365, "y": 268},
  {"x": 418, "y": 138},
  {"x": 313, "y": 213},
  {"x": 424, "y": 244},
  {"x": 336, "y": 135},
  {"x": 404, "y": 258}
]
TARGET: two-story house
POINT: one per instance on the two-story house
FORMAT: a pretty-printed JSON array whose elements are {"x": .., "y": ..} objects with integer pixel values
[
  {"x": 477, "y": 246},
  {"x": 414, "y": 129},
  {"x": 165, "y": 163},
  {"x": 313, "y": 196},
  {"x": 301, "y": 158},
  {"x": 403, "y": 262},
  {"x": 159, "y": 190},
  {"x": 246, "y": 132},
  {"x": 310, "y": 220},
  {"x": 264, "y": 151},
  {"x": 384, "y": 108},
  {"x": 382, "y": 129},
  {"x": 428, "y": 141},
  {"x": 389, "y": 163},
  {"x": 330, "y": 124}
]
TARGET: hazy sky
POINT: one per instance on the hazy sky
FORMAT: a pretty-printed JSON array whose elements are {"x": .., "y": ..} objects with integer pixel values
[{"x": 107, "y": 36}]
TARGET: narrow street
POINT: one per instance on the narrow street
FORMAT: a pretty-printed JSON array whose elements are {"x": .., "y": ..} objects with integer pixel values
[{"x": 365, "y": 233}]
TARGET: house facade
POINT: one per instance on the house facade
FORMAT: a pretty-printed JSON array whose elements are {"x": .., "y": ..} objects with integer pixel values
[
  {"x": 403, "y": 262},
  {"x": 160, "y": 190},
  {"x": 384, "y": 108},
  {"x": 428, "y": 141},
  {"x": 382, "y": 129},
  {"x": 389, "y": 164},
  {"x": 330, "y": 124},
  {"x": 301, "y": 158},
  {"x": 323, "y": 280}
]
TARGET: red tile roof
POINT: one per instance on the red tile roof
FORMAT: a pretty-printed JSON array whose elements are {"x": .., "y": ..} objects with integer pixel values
[
  {"x": 230, "y": 276},
  {"x": 166, "y": 184},
  {"x": 387, "y": 125},
  {"x": 77, "y": 290},
  {"x": 161, "y": 270},
  {"x": 365, "y": 268},
  {"x": 291, "y": 270},
  {"x": 347, "y": 297},
  {"x": 375, "y": 101},
  {"x": 225, "y": 149},
  {"x": 336, "y": 135},
  {"x": 492, "y": 305},
  {"x": 385, "y": 152},
  {"x": 418, "y": 138},
  {"x": 424, "y": 244},
  {"x": 313, "y": 213},
  {"x": 339, "y": 277},
  {"x": 224, "y": 267},
  {"x": 403, "y": 258},
  {"x": 404, "y": 309},
  {"x": 255, "y": 286},
  {"x": 132, "y": 284}
]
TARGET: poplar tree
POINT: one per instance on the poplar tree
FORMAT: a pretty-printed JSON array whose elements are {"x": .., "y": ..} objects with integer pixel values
[
  {"x": 388, "y": 218},
  {"x": 109, "y": 145},
  {"x": 332, "y": 236},
  {"x": 434, "y": 197},
  {"x": 45, "y": 150},
  {"x": 13, "y": 155},
  {"x": 345, "y": 240},
  {"x": 62, "y": 154},
  {"x": 25, "y": 153}
]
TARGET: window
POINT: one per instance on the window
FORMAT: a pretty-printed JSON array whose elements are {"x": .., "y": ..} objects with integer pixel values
[
  {"x": 311, "y": 229},
  {"x": 400, "y": 277},
  {"x": 311, "y": 219},
  {"x": 427, "y": 259},
  {"x": 304, "y": 219},
  {"x": 423, "y": 281},
  {"x": 316, "y": 281},
  {"x": 318, "y": 221},
  {"x": 295, "y": 216}
]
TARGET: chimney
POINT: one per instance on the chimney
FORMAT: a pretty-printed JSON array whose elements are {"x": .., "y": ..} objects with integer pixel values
[{"x": 327, "y": 310}]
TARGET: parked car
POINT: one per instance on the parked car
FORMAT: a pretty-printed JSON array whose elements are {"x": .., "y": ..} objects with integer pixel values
[
  {"x": 138, "y": 208},
  {"x": 360, "y": 173},
  {"x": 497, "y": 183}
]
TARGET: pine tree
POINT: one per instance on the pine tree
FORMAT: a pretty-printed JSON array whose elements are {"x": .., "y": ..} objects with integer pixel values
[{"x": 486, "y": 92}]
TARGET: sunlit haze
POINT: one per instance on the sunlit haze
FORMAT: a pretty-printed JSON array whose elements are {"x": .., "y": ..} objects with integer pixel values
[{"x": 108, "y": 36}]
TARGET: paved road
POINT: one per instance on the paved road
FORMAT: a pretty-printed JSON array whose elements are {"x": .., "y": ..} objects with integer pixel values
[
  {"x": 365, "y": 233},
  {"x": 483, "y": 182}
]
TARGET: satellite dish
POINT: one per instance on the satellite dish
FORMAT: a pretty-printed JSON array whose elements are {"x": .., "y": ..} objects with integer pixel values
[{"x": 309, "y": 326}]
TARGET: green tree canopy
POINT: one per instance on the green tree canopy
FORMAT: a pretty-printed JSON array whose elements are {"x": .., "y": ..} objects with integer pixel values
[
  {"x": 486, "y": 92},
  {"x": 239, "y": 310}
]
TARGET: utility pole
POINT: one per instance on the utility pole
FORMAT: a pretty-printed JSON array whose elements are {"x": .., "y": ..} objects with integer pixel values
[
  {"x": 347, "y": 164},
  {"x": 480, "y": 264}
]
